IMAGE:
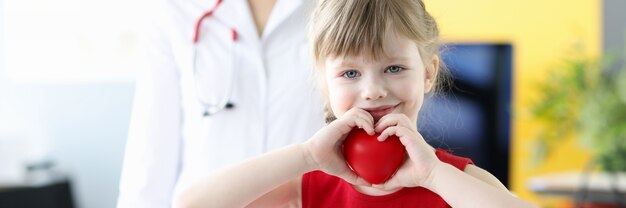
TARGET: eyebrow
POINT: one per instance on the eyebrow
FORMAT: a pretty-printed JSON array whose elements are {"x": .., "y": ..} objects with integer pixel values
[{"x": 352, "y": 63}]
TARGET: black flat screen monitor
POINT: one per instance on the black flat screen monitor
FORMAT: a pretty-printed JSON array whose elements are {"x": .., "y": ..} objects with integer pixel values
[{"x": 472, "y": 118}]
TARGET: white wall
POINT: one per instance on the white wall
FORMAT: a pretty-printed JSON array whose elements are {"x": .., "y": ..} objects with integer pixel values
[
  {"x": 82, "y": 125},
  {"x": 85, "y": 127}
]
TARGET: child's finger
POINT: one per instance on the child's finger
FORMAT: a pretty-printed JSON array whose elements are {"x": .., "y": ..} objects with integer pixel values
[
  {"x": 394, "y": 119},
  {"x": 352, "y": 178},
  {"x": 346, "y": 124},
  {"x": 413, "y": 146},
  {"x": 398, "y": 131},
  {"x": 386, "y": 133},
  {"x": 361, "y": 123},
  {"x": 384, "y": 122},
  {"x": 417, "y": 148},
  {"x": 365, "y": 115},
  {"x": 362, "y": 182},
  {"x": 360, "y": 113},
  {"x": 390, "y": 184}
]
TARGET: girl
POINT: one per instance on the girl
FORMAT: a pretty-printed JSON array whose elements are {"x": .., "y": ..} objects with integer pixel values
[{"x": 375, "y": 61}]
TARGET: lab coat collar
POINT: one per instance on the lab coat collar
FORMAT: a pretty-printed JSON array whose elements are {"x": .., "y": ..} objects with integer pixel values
[
  {"x": 285, "y": 8},
  {"x": 244, "y": 23}
]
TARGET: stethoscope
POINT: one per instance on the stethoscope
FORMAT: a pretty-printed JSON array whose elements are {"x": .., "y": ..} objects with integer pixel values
[{"x": 225, "y": 102}]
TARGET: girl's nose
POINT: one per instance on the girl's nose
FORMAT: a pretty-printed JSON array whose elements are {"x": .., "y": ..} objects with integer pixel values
[{"x": 374, "y": 90}]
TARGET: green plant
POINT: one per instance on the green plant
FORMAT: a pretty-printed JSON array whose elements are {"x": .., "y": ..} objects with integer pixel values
[{"x": 585, "y": 97}]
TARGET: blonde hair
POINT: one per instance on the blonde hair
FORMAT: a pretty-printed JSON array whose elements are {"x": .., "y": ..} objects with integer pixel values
[{"x": 349, "y": 27}]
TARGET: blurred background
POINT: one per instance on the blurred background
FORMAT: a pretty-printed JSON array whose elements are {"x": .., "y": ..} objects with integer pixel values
[{"x": 67, "y": 71}]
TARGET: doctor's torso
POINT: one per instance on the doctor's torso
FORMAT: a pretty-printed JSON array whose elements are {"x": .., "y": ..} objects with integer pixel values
[{"x": 273, "y": 91}]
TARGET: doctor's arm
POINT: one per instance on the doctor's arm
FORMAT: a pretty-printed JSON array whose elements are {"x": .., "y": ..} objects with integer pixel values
[{"x": 152, "y": 153}]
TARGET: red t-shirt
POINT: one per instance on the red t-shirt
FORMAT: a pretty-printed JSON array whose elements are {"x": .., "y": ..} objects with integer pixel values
[{"x": 322, "y": 190}]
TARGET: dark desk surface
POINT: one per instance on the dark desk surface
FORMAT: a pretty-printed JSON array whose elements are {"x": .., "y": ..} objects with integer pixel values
[{"x": 56, "y": 194}]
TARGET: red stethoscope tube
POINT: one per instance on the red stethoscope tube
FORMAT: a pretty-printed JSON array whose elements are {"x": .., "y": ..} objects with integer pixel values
[
  {"x": 225, "y": 102},
  {"x": 208, "y": 14}
]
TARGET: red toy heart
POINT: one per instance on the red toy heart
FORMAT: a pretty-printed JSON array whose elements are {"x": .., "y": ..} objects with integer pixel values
[{"x": 370, "y": 159}]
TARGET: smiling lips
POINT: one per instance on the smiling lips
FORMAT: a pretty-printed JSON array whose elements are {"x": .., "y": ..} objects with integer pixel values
[{"x": 379, "y": 112}]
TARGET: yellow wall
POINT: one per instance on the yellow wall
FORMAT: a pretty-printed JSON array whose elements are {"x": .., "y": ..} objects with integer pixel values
[{"x": 541, "y": 33}]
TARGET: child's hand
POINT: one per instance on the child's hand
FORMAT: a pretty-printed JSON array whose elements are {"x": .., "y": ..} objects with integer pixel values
[
  {"x": 422, "y": 159},
  {"x": 324, "y": 148}
]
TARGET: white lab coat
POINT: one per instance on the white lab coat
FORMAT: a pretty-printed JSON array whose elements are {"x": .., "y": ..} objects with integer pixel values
[{"x": 170, "y": 143}]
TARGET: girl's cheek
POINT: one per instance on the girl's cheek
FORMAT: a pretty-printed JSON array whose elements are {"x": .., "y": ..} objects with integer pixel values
[{"x": 341, "y": 101}]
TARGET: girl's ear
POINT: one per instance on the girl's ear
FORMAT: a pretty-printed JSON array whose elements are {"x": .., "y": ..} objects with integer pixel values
[{"x": 430, "y": 74}]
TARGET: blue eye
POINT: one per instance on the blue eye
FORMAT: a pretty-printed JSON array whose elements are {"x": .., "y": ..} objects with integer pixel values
[
  {"x": 350, "y": 74},
  {"x": 394, "y": 69}
]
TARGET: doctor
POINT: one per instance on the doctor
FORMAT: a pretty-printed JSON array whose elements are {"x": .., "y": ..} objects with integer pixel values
[{"x": 225, "y": 80}]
